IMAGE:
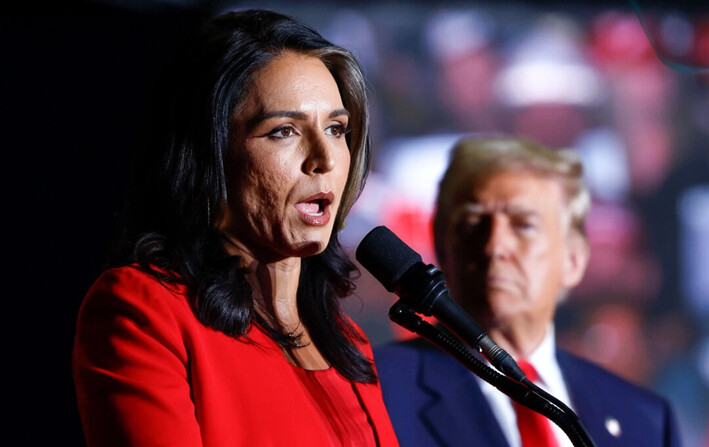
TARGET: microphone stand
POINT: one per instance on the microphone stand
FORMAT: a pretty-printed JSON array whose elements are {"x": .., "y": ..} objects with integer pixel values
[{"x": 526, "y": 393}]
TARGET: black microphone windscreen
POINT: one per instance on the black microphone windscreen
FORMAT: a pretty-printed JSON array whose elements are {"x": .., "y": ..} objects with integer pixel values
[{"x": 386, "y": 256}]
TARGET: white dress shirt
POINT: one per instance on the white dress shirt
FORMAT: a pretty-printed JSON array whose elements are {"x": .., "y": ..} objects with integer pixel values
[{"x": 550, "y": 380}]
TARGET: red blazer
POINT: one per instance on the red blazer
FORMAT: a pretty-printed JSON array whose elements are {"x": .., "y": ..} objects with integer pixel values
[{"x": 148, "y": 373}]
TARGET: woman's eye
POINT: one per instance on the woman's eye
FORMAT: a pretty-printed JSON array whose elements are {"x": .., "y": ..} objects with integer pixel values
[
  {"x": 337, "y": 130},
  {"x": 282, "y": 132}
]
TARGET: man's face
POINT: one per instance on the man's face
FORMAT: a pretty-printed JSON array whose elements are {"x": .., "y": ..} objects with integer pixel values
[{"x": 506, "y": 249}]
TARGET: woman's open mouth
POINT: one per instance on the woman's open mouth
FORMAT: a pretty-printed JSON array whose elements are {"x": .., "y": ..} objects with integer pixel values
[{"x": 315, "y": 210}]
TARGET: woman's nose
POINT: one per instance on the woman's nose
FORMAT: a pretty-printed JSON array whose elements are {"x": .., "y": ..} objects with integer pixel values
[{"x": 320, "y": 157}]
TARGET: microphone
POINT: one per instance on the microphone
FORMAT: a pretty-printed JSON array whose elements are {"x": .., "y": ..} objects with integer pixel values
[{"x": 402, "y": 271}]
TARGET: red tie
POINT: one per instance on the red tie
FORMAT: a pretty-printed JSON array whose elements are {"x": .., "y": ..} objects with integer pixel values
[{"x": 534, "y": 429}]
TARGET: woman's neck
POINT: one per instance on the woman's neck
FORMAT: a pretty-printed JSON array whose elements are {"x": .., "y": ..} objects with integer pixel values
[
  {"x": 274, "y": 282},
  {"x": 275, "y": 287}
]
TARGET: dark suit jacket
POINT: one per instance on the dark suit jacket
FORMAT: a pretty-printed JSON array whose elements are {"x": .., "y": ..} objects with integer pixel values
[{"x": 434, "y": 401}]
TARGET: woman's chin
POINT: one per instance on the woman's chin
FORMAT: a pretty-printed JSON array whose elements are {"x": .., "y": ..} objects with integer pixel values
[
  {"x": 300, "y": 247},
  {"x": 312, "y": 241},
  {"x": 311, "y": 249}
]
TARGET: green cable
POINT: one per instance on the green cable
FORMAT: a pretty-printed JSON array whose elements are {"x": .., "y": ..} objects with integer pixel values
[{"x": 683, "y": 68}]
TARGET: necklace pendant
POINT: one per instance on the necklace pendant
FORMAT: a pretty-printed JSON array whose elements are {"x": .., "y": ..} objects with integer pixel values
[{"x": 294, "y": 339}]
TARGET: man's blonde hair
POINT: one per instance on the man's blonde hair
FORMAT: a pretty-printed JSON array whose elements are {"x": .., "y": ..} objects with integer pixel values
[{"x": 479, "y": 158}]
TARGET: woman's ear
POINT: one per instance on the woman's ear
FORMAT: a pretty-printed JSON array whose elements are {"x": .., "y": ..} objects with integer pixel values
[{"x": 576, "y": 258}]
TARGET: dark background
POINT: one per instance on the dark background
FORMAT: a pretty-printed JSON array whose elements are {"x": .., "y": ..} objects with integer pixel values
[{"x": 75, "y": 79}]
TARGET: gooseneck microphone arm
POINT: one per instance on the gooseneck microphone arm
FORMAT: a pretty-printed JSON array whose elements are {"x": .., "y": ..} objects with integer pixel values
[
  {"x": 532, "y": 396},
  {"x": 422, "y": 288}
]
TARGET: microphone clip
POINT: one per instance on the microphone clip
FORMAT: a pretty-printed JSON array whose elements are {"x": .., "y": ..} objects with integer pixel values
[{"x": 427, "y": 282}]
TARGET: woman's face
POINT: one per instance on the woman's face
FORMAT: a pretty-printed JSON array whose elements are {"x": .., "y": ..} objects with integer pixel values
[{"x": 288, "y": 161}]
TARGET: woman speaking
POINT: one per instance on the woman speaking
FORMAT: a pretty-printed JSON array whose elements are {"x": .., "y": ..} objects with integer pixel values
[{"x": 218, "y": 323}]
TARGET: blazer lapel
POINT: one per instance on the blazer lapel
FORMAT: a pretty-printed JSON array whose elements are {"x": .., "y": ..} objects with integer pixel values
[
  {"x": 371, "y": 399},
  {"x": 458, "y": 413}
]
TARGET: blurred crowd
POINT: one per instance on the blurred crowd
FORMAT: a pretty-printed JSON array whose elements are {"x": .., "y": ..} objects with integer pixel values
[{"x": 585, "y": 78}]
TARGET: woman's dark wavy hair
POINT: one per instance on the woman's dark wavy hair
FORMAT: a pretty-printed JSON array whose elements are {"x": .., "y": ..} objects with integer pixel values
[{"x": 179, "y": 182}]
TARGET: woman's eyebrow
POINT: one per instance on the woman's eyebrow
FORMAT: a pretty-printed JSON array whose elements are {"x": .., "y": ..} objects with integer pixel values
[
  {"x": 294, "y": 114},
  {"x": 339, "y": 112},
  {"x": 278, "y": 114}
]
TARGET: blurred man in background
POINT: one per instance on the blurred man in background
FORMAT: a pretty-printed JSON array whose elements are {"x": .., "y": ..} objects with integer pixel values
[{"x": 509, "y": 235}]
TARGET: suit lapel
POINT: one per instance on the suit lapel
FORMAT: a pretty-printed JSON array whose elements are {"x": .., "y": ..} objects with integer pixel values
[
  {"x": 586, "y": 402},
  {"x": 457, "y": 413}
]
